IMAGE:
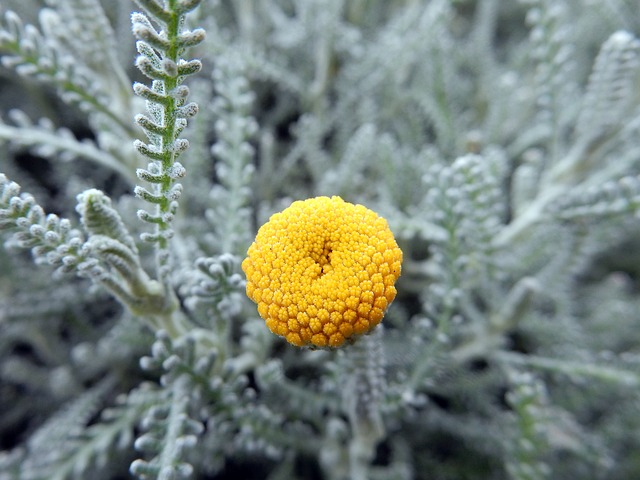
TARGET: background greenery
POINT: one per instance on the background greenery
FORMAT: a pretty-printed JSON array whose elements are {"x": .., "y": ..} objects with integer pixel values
[{"x": 501, "y": 140}]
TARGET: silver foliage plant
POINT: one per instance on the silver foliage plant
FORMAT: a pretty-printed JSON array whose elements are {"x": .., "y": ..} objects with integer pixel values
[{"x": 500, "y": 139}]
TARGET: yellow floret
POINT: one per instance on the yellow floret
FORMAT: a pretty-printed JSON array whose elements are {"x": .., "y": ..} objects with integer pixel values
[{"x": 322, "y": 271}]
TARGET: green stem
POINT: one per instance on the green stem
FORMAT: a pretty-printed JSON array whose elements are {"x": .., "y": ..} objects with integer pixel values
[{"x": 168, "y": 139}]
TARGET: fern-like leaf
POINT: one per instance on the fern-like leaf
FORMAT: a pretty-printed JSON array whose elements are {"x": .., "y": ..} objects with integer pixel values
[
  {"x": 159, "y": 60},
  {"x": 34, "y": 54}
]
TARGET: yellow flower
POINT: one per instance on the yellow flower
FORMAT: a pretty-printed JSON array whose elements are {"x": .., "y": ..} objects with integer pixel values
[{"x": 322, "y": 271}]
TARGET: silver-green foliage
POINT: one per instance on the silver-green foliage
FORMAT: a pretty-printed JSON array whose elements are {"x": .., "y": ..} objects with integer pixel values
[{"x": 500, "y": 139}]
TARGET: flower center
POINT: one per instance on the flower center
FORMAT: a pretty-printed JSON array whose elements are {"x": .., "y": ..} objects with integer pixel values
[{"x": 324, "y": 260}]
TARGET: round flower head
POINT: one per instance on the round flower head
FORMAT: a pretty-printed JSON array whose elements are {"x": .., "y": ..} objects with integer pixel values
[{"x": 322, "y": 271}]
